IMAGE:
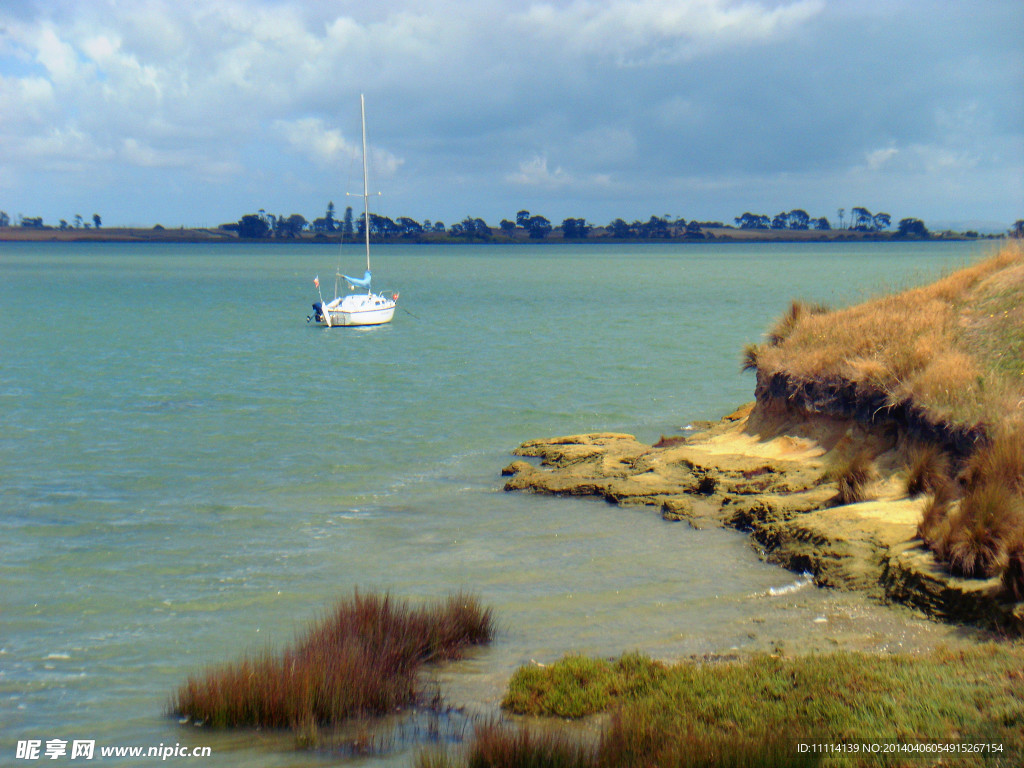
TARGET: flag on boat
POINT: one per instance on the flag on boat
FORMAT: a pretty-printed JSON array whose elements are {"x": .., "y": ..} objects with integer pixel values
[{"x": 316, "y": 281}]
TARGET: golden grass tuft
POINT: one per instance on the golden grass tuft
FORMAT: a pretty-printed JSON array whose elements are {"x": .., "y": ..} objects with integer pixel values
[
  {"x": 1013, "y": 574},
  {"x": 989, "y": 520},
  {"x": 750, "y": 353},
  {"x": 1000, "y": 462},
  {"x": 797, "y": 311},
  {"x": 980, "y": 536},
  {"x": 928, "y": 470},
  {"x": 852, "y": 474}
]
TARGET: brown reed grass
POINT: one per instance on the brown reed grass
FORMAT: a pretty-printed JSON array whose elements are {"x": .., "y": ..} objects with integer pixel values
[
  {"x": 928, "y": 470},
  {"x": 1001, "y": 461},
  {"x": 361, "y": 659},
  {"x": 1013, "y": 574},
  {"x": 852, "y": 475},
  {"x": 980, "y": 533}
]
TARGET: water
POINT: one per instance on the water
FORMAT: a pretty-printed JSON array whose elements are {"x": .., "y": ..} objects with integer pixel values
[{"x": 189, "y": 471}]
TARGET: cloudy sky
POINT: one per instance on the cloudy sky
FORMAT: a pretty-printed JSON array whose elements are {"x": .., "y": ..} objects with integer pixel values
[{"x": 194, "y": 113}]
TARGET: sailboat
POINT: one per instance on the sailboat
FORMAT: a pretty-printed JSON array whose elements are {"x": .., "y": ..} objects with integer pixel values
[{"x": 356, "y": 308}]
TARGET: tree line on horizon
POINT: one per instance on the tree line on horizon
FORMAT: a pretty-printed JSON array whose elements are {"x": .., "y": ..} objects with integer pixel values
[
  {"x": 262, "y": 225},
  {"x": 36, "y": 222},
  {"x": 537, "y": 227}
]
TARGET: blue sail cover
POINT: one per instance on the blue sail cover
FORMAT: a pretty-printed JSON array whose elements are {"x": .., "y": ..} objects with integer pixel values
[{"x": 357, "y": 282}]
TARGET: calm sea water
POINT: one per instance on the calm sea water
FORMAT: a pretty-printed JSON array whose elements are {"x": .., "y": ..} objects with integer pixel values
[{"x": 189, "y": 471}]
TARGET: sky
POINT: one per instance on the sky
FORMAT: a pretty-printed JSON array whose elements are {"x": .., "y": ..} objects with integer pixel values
[{"x": 195, "y": 113}]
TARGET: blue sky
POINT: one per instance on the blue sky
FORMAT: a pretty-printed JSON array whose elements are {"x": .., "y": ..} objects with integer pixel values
[{"x": 194, "y": 113}]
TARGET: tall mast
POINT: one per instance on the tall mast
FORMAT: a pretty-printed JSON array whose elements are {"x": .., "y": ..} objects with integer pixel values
[{"x": 366, "y": 189}]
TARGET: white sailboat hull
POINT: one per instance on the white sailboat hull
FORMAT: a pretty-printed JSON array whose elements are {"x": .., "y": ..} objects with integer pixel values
[{"x": 356, "y": 309}]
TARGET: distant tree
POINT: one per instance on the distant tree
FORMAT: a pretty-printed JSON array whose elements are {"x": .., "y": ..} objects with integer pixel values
[
  {"x": 427, "y": 226},
  {"x": 508, "y": 227},
  {"x": 78, "y": 221},
  {"x": 798, "y": 219},
  {"x": 862, "y": 220},
  {"x": 620, "y": 229},
  {"x": 753, "y": 221},
  {"x": 539, "y": 227},
  {"x": 693, "y": 231},
  {"x": 471, "y": 228},
  {"x": 439, "y": 226},
  {"x": 780, "y": 221},
  {"x": 347, "y": 226},
  {"x": 329, "y": 217},
  {"x": 522, "y": 217},
  {"x": 573, "y": 229},
  {"x": 63, "y": 224},
  {"x": 1016, "y": 231},
  {"x": 96, "y": 220},
  {"x": 380, "y": 226},
  {"x": 881, "y": 221},
  {"x": 5, "y": 220},
  {"x": 821, "y": 223},
  {"x": 409, "y": 226},
  {"x": 253, "y": 226},
  {"x": 912, "y": 228},
  {"x": 292, "y": 226},
  {"x": 655, "y": 227},
  {"x": 32, "y": 222},
  {"x": 840, "y": 213}
]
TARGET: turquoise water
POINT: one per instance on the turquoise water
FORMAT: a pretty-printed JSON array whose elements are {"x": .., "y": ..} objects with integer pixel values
[{"x": 188, "y": 470}]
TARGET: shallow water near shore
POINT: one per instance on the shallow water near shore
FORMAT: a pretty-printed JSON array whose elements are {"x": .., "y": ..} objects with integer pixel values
[{"x": 189, "y": 471}]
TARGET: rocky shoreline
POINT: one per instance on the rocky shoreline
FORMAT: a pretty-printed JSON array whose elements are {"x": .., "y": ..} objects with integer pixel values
[{"x": 761, "y": 470}]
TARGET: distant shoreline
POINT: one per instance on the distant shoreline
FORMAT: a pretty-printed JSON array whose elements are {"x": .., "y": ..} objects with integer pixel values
[{"x": 218, "y": 235}]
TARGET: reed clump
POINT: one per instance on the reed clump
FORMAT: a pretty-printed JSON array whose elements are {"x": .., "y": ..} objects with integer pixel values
[
  {"x": 853, "y": 475},
  {"x": 977, "y": 528},
  {"x": 360, "y": 660},
  {"x": 929, "y": 469}
]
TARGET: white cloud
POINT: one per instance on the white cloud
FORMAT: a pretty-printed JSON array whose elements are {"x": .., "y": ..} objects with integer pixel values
[
  {"x": 638, "y": 31},
  {"x": 311, "y": 137},
  {"x": 879, "y": 158},
  {"x": 534, "y": 172}
]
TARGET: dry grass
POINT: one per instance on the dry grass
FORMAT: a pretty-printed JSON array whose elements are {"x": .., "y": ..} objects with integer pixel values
[
  {"x": 1000, "y": 462},
  {"x": 852, "y": 474},
  {"x": 360, "y": 660},
  {"x": 954, "y": 348},
  {"x": 980, "y": 533},
  {"x": 1013, "y": 575},
  {"x": 928, "y": 470}
]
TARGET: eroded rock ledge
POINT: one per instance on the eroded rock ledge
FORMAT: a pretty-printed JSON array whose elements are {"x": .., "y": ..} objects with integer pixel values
[{"x": 760, "y": 470}]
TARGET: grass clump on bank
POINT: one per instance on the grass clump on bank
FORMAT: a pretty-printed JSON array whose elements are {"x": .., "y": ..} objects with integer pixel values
[
  {"x": 977, "y": 526},
  {"x": 852, "y": 474},
  {"x": 361, "y": 659},
  {"x": 756, "y": 712}
]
